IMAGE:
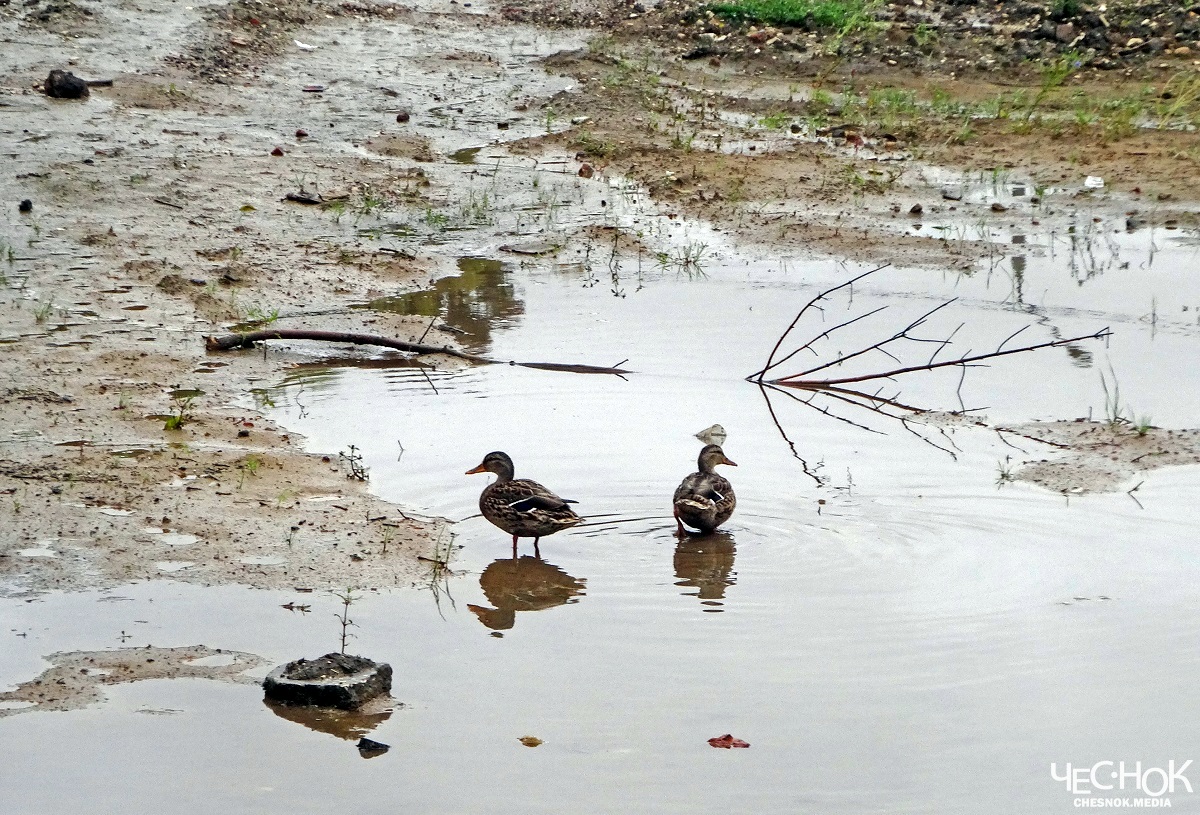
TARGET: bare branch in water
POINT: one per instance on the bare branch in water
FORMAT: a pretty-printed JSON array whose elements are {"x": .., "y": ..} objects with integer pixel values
[{"x": 231, "y": 341}]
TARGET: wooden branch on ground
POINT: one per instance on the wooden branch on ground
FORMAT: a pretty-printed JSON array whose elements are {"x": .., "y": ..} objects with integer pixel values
[{"x": 231, "y": 341}]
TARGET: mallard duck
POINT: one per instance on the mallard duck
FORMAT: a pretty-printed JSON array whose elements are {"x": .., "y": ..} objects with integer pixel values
[
  {"x": 522, "y": 508},
  {"x": 705, "y": 500}
]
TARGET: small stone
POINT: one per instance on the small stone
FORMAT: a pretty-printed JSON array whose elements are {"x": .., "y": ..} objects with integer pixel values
[
  {"x": 998, "y": 207},
  {"x": 586, "y": 171},
  {"x": 1134, "y": 42},
  {"x": 1065, "y": 32},
  {"x": 301, "y": 134},
  {"x": 278, "y": 151},
  {"x": 25, "y": 207},
  {"x": 65, "y": 85},
  {"x": 369, "y": 748},
  {"x": 916, "y": 209},
  {"x": 403, "y": 116}
]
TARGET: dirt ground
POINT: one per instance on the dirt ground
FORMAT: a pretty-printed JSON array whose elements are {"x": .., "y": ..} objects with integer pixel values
[
  {"x": 77, "y": 678},
  {"x": 159, "y": 215}
]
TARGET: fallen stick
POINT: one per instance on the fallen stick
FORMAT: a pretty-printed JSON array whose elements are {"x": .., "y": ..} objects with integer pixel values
[{"x": 231, "y": 341}]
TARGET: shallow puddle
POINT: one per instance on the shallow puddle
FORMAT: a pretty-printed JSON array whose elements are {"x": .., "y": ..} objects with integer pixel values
[{"x": 887, "y": 628}]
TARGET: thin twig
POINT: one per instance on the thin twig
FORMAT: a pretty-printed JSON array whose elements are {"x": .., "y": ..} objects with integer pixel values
[
  {"x": 794, "y": 381},
  {"x": 771, "y": 358},
  {"x": 899, "y": 335}
]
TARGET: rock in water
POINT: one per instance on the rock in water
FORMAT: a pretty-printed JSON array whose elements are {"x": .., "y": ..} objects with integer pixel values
[{"x": 334, "y": 680}]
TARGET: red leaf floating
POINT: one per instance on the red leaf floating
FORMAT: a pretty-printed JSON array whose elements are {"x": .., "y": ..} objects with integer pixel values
[{"x": 727, "y": 741}]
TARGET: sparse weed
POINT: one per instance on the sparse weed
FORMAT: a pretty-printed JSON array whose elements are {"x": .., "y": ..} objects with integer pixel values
[
  {"x": 1114, "y": 411},
  {"x": 1004, "y": 472},
  {"x": 435, "y": 220},
  {"x": 353, "y": 462},
  {"x": 370, "y": 202},
  {"x": 258, "y": 316},
  {"x": 348, "y": 598},
  {"x": 478, "y": 209},
  {"x": 1054, "y": 74},
  {"x": 591, "y": 145},
  {"x": 337, "y": 208},
  {"x": 925, "y": 36},
  {"x": 776, "y": 121},
  {"x": 182, "y": 413},
  {"x": 249, "y": 466}
]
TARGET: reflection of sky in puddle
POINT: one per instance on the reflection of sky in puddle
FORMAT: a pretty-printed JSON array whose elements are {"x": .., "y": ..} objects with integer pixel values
[{"x": 903, "y": 625}]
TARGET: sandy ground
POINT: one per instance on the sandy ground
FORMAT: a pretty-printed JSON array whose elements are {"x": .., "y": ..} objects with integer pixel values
[
  {"x": 159, "y": 216},
  {"x": 77, "y": 678}
]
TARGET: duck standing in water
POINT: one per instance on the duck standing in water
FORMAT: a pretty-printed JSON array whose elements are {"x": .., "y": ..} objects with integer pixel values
[
  {"x": 705, "y": 500},
  {"x": 522, "y": 508}
]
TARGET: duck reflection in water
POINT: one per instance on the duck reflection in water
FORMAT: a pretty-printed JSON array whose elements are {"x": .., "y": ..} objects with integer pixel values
[
  {"x": 705, "y": 563},
  {"x": 523, "y": 584}
]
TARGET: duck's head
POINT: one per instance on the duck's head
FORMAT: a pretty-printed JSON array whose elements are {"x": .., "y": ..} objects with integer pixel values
[
  {"x": 495, "y": 462},
  {"x": 711, "y": 456}
]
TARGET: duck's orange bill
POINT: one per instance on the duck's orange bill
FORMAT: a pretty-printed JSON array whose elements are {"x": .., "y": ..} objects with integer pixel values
[{"x": 478, "y": 469}]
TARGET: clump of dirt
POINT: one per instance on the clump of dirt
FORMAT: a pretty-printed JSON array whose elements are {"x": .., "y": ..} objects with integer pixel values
[
  {"x": 956, "y": 37},
  {"x": 78, "y": 677},
  {"x": 245, "y": 33},
  {"x": 1100, "y": 456},
  {"x": 398, "y": 145},
  {"x": 58, "y": 16}
]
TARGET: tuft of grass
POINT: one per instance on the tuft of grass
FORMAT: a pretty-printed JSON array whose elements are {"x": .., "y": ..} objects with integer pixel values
[
  {"x": 1054, "y": 74},
  {"x": 776, "y": 121},
  {"x": 249, "y": 466},
  {"x": 594, "y": 146},
  {"x": 839, "y": 15},
  {"x": 1005, "y": 473},
  {"x": 1060, "y": 9},
  {"x": 182, "y": 414},
  {"x": 259, "y": 316},
  {"x": 1114, "y": 409}
]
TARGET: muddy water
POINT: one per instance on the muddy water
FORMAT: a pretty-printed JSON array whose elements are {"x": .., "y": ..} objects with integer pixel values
[{"x": 921, "y": 641}]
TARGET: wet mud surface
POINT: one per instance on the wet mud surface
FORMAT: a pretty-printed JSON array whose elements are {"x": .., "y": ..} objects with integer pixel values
[
  {"x": 964, "y": 583},
  {"x": 78, "y": 678}
]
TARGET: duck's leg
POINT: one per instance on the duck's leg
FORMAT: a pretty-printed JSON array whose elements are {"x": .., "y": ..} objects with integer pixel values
[{"x": 536, "y": 552}]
